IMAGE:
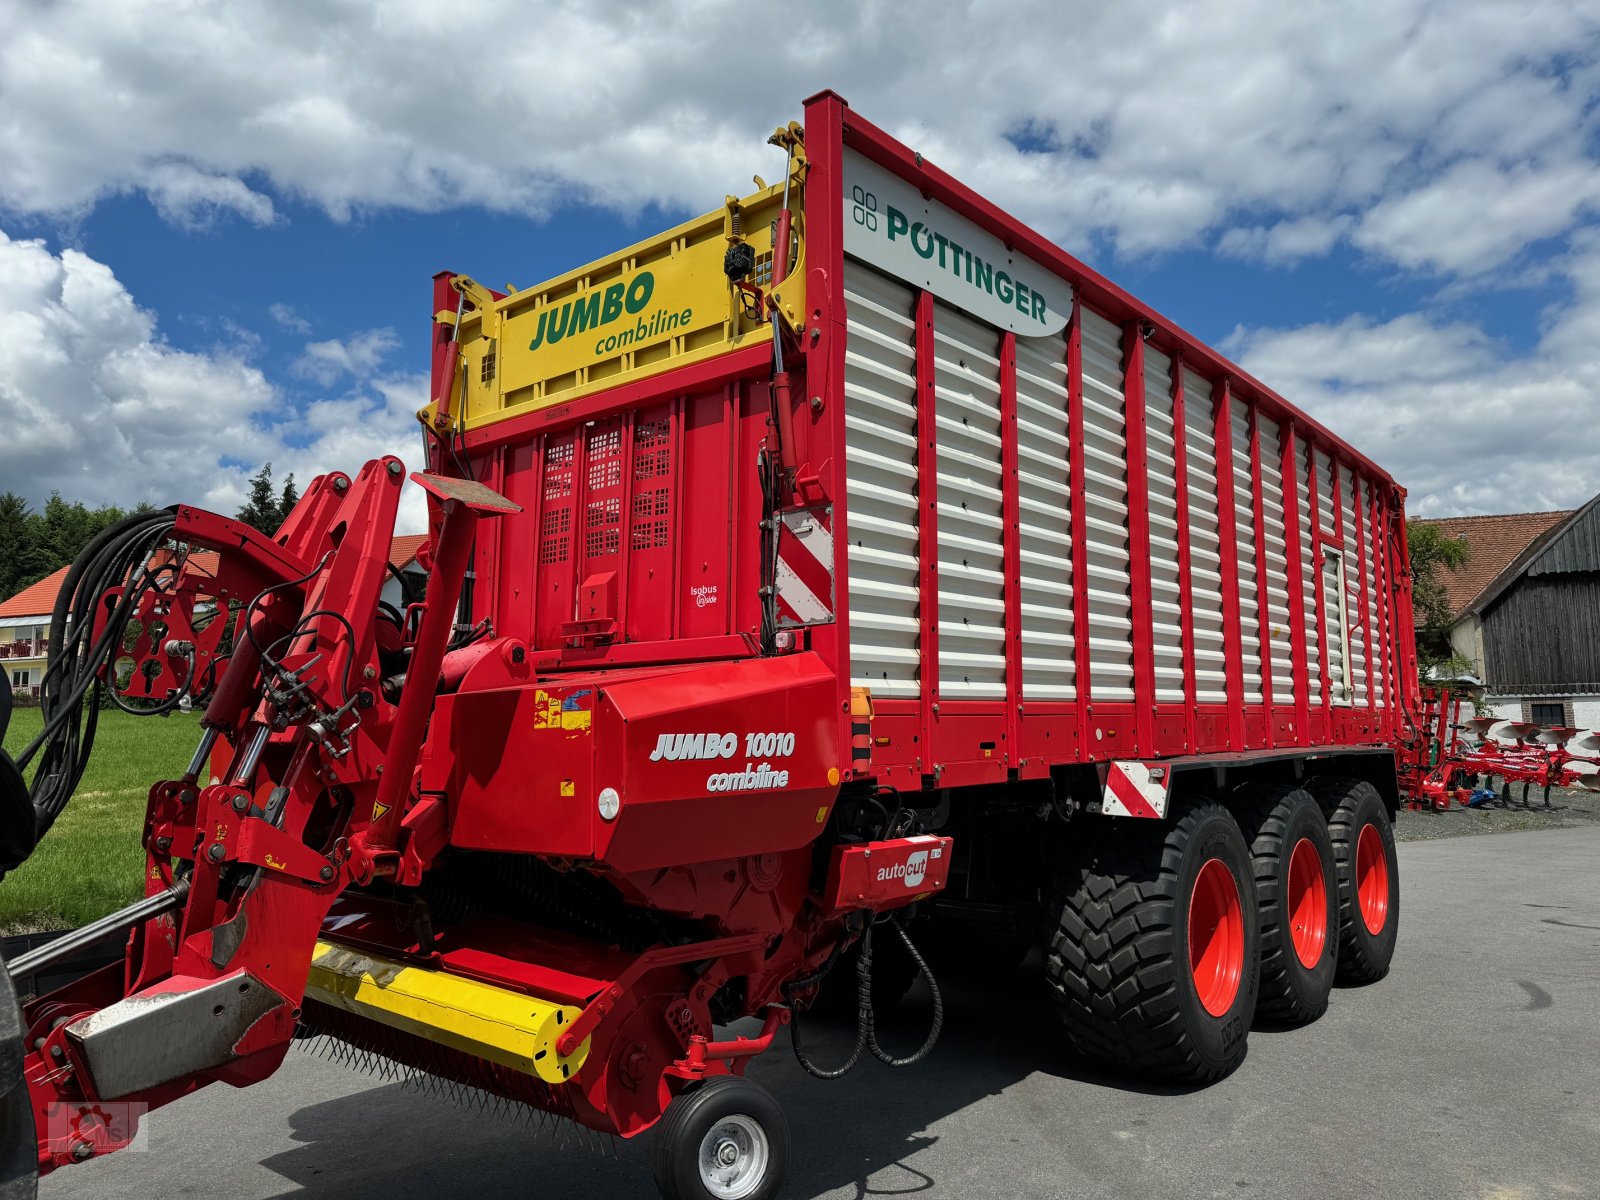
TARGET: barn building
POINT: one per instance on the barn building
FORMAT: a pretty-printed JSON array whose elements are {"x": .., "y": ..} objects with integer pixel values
[{"x": 1527, "y": 612}]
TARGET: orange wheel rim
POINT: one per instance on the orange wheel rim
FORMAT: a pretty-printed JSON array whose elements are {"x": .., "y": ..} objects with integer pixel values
[{"x": 1216, "y": 937}]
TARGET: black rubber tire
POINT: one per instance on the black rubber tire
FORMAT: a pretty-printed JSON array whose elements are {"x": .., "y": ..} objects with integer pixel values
[
  {"x": 1353, "y": 805},
  {"x": 1275, "y": 820},
  {"x": 19, "y": 1153},
  {"x": 675, "y": 1154},
  {"x": 1117, "y": 962}
]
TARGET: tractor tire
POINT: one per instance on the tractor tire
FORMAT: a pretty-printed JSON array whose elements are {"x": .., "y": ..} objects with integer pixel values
[
  {"x": 1368, "y": 872},
  {"x": 1154, "y": 964},
  {"x": 19, "y": 1153},
  {"x": 1298, "y": 894},
  {"x": 726, "y": 1139}
]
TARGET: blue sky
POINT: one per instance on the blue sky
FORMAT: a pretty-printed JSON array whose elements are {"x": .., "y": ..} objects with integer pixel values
[{"x": 217, "y": 243}]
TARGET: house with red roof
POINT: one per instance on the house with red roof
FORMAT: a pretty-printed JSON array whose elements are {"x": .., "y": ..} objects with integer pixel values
[{"x": 25, "y": 633}]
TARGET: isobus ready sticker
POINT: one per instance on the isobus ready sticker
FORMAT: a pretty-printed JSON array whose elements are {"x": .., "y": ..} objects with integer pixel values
[{"x": 888, "y": 223}]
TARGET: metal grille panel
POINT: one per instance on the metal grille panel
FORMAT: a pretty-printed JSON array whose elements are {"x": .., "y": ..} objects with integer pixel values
[
  {"x": 972, "y": 662},
  {"x": 1105, "y": 476},
  {"x": 1205, "y": 542},
  {"x": 1044, "y": 506},
  {"x": 881, "y": 473}
]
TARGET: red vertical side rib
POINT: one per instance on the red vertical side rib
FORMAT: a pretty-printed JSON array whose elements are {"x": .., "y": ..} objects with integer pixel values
[
  {"x": 1263, "y": 575},
  {"x": 927, "y": 530},
  {"x": 1290, "y": 439},
  {"x": 1228, "y": 537},
  {"x": 1144, "y": 662},
  {"x": 1012, "y": 548},
  {"x": 1080, "y": 528},
  {"x": 1364, "y": 582},
  {"x": 1318, "y": 592},
  {"x": 1180, "y": 461},
  {"x": 824, "y": 230}
]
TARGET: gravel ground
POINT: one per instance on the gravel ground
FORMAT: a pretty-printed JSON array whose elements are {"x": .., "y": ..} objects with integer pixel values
[{"x": 1568, "y": 807}]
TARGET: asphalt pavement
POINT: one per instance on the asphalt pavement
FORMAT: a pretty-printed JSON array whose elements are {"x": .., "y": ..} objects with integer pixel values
[{"x": 1471, "y": 1073}]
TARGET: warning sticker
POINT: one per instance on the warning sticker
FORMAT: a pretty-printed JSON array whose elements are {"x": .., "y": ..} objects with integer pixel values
[{"x": 572, "y": 712}]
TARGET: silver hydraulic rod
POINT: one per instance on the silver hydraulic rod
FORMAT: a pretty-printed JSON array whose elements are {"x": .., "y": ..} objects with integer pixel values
[{"x": 98, "y": 931}]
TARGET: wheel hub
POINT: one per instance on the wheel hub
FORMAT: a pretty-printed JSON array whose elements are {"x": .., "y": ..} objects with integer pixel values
[
  {"x": 1216, "y": 937},
  {"x": 1308, "y": 903},
  {"x": 1372, "y": 879},
  {"x": 733, "y": 1157}
]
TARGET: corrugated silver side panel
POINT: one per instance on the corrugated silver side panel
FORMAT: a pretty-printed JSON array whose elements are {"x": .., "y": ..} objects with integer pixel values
[
  {"x": 1358, "y": 584},
  {"x": 880, "y": 397},
  {"x": 1308, "y": 574},
  {"x": 972, "y": 604},
  {"x": 1326, "y": 512},
  {"x": 1205, "y": 542},
  {"x": 1278, "y": 610},
  {"x": 1166, "y": 599},
  {"x": 1244, "y": 531},
  {"x": 1335, "y": 620},
  {"x": 1376, "y": 551},
  {"x": 1044, "y": 506},
  {"x": 1105, "y": 484}
]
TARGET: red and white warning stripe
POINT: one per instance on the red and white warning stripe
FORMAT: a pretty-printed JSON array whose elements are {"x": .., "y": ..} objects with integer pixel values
[
  {"x": 805, "y": 567},
  {"x": 1135, "y": 789}
]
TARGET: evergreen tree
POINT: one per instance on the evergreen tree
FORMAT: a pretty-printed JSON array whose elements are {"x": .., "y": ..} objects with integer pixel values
[
  {"x": 15, "y": 535},
  {"x": 261, "y": 510},
  {"x": 287, "y": 500}
]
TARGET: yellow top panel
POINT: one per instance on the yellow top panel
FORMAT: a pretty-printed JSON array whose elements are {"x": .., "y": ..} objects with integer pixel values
[{"x": 660, "y": 304}]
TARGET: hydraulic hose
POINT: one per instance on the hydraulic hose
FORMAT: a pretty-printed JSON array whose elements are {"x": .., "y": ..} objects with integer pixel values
[{"x": 118, "y": 555}]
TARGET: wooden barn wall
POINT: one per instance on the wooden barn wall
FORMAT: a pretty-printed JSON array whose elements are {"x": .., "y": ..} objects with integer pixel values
[
  {"x": 1543, "y": 635},
  {"x": 1577, "y": 548}
]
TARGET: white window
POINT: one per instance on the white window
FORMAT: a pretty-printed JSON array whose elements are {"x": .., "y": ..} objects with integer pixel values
[{"x": 20, "y": 678}]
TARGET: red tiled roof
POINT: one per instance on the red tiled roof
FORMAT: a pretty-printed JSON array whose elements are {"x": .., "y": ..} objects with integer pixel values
[
  {"x": 1494, "y": 543},
  {"x": 35, "y": 600},
  {"x": 403, "y": 549}
]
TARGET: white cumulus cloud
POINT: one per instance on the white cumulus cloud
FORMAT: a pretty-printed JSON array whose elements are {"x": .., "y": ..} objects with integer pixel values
[
  {"x": 1464, "y": 422},
  {"x": 96, "y": 404},
  {"x": 1153, "y": 127}
]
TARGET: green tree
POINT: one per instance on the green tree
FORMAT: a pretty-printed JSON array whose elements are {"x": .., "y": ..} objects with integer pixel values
[
  {"x": 15, "y": 537},
  {"x": 289, "y": 497},
  {"x": 1432, "y": 555},
  {"x": 261, "y": 510}
]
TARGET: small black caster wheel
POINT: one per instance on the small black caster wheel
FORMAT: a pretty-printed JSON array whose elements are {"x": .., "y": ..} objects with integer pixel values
[{"x": 726, "y": 1139}]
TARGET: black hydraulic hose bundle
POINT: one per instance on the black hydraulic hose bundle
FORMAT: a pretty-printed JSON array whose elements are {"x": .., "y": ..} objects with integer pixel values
[
  {"x": 866, "y": 1018},
  {"x": 118, "y": 555}
]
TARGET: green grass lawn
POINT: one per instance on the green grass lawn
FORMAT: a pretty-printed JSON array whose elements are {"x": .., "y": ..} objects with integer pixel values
[{"x": 91, "y": 862}]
